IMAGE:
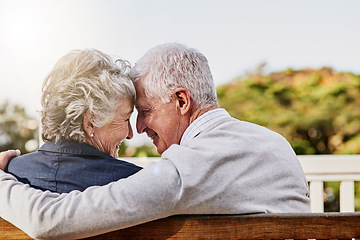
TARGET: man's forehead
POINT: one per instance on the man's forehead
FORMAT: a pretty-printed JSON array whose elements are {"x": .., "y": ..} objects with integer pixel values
[
  {"x": 145, "y": 103},
  {"x": 140, "y": 95},
  {"x": 141, "y": 103}
]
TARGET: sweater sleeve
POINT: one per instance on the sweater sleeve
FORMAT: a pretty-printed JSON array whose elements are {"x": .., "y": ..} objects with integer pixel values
[{"x": 148, "y": 195}]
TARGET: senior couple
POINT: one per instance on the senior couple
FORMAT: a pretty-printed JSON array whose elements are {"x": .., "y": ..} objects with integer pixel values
[{"x": 211, "y": 163}]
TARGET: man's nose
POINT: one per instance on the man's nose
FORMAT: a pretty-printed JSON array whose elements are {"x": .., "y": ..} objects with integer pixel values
[
  {"x": 130, "y": 133},
  {"x": 140, "y": 126}
]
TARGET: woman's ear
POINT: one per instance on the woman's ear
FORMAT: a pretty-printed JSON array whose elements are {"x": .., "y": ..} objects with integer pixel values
[
  {"x": 87, "y": 125},
  {"x": 183, "y": 100}
]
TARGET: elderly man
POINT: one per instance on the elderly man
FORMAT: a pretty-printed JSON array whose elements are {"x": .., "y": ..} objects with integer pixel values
[{"x": 211, "y": 163}]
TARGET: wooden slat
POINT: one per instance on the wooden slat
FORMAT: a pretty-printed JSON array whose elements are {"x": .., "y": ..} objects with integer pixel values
[
  {"x": 260, "y": 226},
  {"x": 257, "y": 226},
  {"x": 9, "y": 231}
]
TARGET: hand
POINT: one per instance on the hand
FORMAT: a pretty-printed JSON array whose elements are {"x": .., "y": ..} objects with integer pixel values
[{"x": 5, "y": 157}]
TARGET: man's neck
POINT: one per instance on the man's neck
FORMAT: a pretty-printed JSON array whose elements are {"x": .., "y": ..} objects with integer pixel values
[{"x": 198, "y": 112}]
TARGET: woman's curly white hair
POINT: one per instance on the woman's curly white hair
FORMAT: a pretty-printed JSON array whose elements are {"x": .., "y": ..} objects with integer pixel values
[{"x": 81, "y": 81}]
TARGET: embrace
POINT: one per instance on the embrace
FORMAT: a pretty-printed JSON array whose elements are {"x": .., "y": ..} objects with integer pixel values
[{"x": 210, "y": 162}]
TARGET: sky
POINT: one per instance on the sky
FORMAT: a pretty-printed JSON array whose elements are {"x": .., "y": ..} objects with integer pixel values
[{"x": 236, "y": 36}]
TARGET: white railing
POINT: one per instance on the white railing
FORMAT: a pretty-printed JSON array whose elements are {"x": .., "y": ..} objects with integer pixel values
[
  {"x": 319, "y": 169},
  {"x": 326, "y": 168}
]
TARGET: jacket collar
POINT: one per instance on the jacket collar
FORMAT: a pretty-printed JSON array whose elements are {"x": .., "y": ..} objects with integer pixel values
[{"x": 71, "y": 147}]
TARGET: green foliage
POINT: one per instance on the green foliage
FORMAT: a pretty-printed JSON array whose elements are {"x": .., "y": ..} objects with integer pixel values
[
  {"x": 331, "y": 196},
  {"x": 17, "y": 130},
  {"x": 139, "y": 151},
  {"x": 357, "y": 196},
  {"x": 318, "y": 111}
]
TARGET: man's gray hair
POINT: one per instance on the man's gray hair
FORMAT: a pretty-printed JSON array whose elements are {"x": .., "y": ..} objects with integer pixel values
[
  {"x": 169, "y": 66},
  {"x": 81, "y": 81}
]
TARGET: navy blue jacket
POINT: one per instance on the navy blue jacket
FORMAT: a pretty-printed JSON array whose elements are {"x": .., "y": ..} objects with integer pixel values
[{"x": 67, "y": 165}]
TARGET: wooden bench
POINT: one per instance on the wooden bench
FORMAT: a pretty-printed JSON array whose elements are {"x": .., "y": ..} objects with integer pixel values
[{"x": 254, "y": 226}]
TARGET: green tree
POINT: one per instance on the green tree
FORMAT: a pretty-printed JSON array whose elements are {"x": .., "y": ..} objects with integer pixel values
[
  {"x": 144, "y": 150},
  {"x": 318, "y": 111},
  {"x": 17, "y": 130}
]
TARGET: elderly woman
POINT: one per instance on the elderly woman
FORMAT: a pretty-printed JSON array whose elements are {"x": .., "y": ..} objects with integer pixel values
[{"x": 87, "y": 102}]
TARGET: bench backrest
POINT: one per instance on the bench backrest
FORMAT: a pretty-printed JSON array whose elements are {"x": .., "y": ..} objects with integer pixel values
[{"x": 257, "y": 226}]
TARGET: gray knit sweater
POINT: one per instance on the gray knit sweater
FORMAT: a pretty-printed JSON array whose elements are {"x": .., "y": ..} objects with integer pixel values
[{"x": 230, "y": 167}]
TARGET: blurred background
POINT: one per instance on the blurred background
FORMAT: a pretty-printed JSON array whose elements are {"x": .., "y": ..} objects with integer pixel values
[{"x": 291, "y": 66}]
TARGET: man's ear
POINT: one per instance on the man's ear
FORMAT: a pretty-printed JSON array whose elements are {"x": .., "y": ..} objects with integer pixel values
[
  {"x": 87, "y": 125},
  {"x": 183, "y": 100}
]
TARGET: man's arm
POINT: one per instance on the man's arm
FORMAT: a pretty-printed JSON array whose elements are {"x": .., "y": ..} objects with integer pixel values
[
  {"x": 147, "y": 195},
  {"x": 5, "y": 157}
]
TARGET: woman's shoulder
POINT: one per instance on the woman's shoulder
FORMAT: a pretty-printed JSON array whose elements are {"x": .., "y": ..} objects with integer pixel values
[{"x": 26, "y": 161}]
